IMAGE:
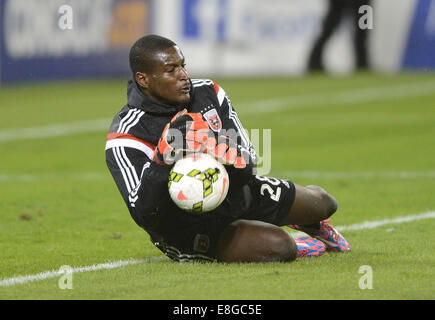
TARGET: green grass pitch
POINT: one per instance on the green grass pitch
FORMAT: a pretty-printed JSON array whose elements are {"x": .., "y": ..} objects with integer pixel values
[{"x": 368, "y": 139}]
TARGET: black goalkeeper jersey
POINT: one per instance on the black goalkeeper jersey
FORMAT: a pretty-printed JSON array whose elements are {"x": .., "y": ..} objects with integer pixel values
[{"x": 134, "y": 134}]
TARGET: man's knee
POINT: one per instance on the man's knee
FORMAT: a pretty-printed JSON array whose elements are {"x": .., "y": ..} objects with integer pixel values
[
  {"x": 329, "y": 204},
  {"x": 282, "y": 246}
]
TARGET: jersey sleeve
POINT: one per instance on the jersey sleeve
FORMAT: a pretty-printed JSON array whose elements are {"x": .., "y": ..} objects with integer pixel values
[
  {"x": 141, "y": 182},
  {"x": 232, "y": 127}
]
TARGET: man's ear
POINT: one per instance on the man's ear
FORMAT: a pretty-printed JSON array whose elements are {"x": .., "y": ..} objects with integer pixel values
[{"x": 142, "y": 79}]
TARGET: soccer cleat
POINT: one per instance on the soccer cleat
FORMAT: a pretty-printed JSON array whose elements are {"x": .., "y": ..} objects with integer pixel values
[
  {"x": 333, "y": 240},
  {"x": 309, "y": 247}
]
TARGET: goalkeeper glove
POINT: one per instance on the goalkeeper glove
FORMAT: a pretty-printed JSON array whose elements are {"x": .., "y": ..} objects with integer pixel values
[
  {"x": 226, "y": 151},
  {"x": 185, "y": 133}
]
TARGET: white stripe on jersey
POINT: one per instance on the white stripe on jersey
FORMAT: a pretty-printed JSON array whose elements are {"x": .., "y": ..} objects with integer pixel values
[
  {"x": 132, "y": 197},
  {"x": 145, "y": 166},
  {"x": 127, "y": 161},
  {"x": 121, "y": 168},
  {"x": 127, "y": 118},
  {"x": 127, "y": 170},
  {"x": 132, "y": 200},
  {"x": 130, "y": 181},
  {"x": 130, "y": 143},
  {"x": 134, "y": 122},
  {"x": 233, "y": 116},
  {"x": 221, "y": 95},
  {"x": 201, "y": 82},
  {"x": 176, "y": 254},
  {"x": 130, "y": 120}
]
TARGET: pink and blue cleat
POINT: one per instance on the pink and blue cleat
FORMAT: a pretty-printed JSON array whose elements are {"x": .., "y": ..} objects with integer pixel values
[
  {"x": 333, "y": 240},
  {"x": 309, "y": 247}
]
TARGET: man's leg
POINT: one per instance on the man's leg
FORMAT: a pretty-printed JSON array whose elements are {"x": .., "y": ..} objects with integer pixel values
[
  {"x": 312, "y": 204},
  {"x": 258, "y": 241},
  {"x": 329, "y": 25},
  {"x": 255, "y": 241}
]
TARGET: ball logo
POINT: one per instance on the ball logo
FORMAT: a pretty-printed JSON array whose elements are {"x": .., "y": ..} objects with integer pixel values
[
  {"x": 181, "y": 196},
  {"x": 213, "y": 120}
]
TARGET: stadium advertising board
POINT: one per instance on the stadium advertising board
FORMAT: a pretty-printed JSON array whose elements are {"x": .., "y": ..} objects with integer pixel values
[
  {"x": 258, "y": 38},
  {"x": 57, "y": 39},
  {"x": 420, "y": 49},
  {"x": 243, "y": 37},
  {"x": 71, "y": 39}
]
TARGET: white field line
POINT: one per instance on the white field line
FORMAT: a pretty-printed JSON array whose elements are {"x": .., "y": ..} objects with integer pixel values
[
  {"x": 122, "y": 263},
  {"x": 378, "y": 223},
  {"x": 55, "y": 130},
  {"x": 347, "y": 98},
  {"x": 57, "y": 273},
  {"x": 36, "y": 177},
  {"x": 95, "y": 176}
]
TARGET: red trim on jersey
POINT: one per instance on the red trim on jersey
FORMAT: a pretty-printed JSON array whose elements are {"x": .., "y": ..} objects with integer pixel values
[
  {"x": 117, "y": 135},
  {"x": 216, "y": 87}
]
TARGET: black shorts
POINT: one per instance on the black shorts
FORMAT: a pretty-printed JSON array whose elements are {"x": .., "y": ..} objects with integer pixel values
[{"x": 184, "y": 236}]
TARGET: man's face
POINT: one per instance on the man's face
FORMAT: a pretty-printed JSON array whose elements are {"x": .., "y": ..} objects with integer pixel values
[{"x": 168, "y": 83}]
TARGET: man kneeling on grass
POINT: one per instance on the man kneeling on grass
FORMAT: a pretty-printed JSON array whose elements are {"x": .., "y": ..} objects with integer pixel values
[{"x": 246, "y": 227}]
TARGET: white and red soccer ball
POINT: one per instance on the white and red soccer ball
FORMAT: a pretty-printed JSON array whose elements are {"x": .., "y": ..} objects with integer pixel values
[{"x": 198, "y": 183}]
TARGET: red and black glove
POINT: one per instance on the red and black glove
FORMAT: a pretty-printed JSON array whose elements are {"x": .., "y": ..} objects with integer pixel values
[
  {"x": 186, "y": 133},
  {"x": 226, "y": 151}
]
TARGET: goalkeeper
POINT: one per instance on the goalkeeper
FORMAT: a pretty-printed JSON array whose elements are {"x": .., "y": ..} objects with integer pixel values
[{"x": 141, "y": 149}]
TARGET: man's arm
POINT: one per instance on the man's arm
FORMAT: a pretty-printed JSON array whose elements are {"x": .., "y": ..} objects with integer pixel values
[{"x": 141, "y": 181}]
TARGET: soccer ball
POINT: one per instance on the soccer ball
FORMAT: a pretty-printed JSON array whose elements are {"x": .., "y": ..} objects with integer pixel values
[{"x": 198, "y": 183}]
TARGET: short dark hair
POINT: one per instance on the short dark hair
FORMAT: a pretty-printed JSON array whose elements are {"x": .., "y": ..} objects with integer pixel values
[{"x": 143, "y": 50}]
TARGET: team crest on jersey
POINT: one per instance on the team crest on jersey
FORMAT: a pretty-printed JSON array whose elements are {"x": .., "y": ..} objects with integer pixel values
[
  {"x": 213, "y": 120},
  {"x": 201, "y": 243}
]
